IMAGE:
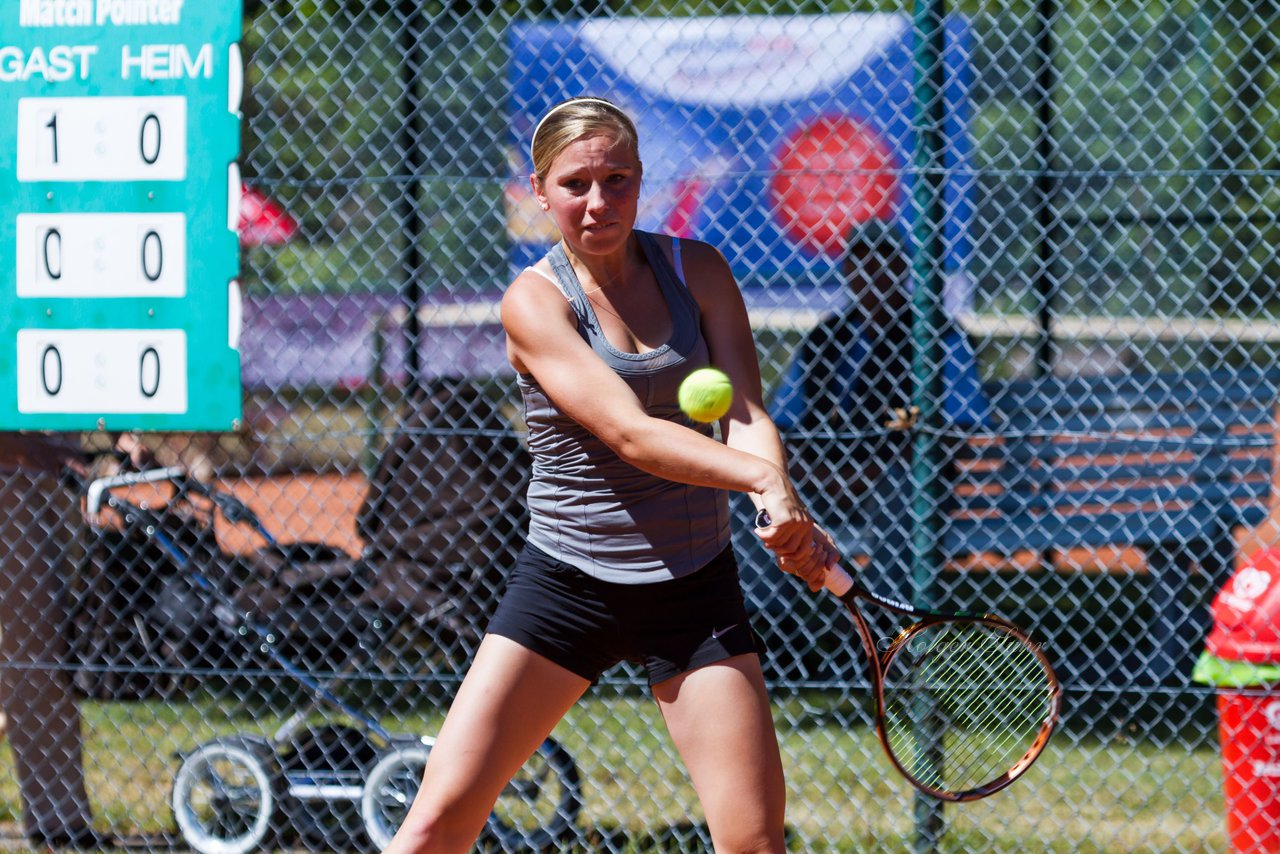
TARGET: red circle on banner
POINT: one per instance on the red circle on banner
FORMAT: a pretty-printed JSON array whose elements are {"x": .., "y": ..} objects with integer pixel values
[{"x": 830, "y": 175}]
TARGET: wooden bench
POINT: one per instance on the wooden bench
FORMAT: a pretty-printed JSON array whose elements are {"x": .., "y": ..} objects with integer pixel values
[
  {"x": 1162, "y": 468},
  {"x": 1170, "y": 464}
]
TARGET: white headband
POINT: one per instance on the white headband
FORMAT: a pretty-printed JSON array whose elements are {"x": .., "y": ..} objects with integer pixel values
[{"x": 561, "y": 105}]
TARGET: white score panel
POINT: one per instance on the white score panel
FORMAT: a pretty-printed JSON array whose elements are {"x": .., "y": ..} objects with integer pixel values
[
  {"x": 102, "y": 139},
  {"x": 102, "y": 370},
  {"x": 102, "y": 255}
]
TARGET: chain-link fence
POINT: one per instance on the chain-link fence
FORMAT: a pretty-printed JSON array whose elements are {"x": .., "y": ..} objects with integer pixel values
[{"x": 1012, "y": 275}]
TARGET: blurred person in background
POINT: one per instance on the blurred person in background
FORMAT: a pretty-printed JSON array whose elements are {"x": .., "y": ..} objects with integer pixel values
[
  {"x": 39, "y": 515},
  {"x": 38, "y": 510},
  {"x": 850, "y": 377}
]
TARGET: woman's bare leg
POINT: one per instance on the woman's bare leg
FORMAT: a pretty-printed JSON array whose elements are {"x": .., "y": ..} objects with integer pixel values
[
  {"x": 721, "y": 723},
  {"x": 508, "y": 704}
]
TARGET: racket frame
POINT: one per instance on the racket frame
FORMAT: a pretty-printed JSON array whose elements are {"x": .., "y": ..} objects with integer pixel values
[
  {"x": 923, "y": 619},
  {"x": 845, "y": 588}
]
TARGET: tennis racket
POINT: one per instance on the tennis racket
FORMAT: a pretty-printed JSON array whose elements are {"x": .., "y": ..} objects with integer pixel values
[{"x": 964, "y": 703}]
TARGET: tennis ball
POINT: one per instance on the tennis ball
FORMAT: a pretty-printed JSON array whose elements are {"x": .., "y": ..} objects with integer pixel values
[{"x": 705, "y": 395}]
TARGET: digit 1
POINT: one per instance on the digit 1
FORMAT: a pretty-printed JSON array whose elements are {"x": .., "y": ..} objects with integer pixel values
[
  {"x": 52, "y": 125},
  {"x": 142, "y": 139}
]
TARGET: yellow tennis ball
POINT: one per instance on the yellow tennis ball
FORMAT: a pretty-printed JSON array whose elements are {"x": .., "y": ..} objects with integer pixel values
[{"x": 705, "y": 395}]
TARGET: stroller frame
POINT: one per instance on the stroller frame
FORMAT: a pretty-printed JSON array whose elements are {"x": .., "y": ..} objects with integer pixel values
[{"x": 244, "y": 792}]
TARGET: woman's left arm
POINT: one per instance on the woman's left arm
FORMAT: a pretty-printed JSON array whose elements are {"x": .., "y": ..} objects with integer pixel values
[{"x": 746, "y": 426}]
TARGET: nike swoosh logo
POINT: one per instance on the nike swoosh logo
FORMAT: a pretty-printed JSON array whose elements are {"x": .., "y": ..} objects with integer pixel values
[{"x": 716, "y": 633}]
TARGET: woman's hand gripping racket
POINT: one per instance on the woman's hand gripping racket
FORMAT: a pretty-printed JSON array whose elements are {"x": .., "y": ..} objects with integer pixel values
[{"x": 964, "y": 702}]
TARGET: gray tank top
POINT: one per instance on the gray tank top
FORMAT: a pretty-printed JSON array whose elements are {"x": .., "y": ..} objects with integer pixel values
[{"x": 590, "y": 509}]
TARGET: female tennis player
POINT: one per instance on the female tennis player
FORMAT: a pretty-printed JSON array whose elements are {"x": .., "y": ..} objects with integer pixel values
[{"x": 627, "y": 554}]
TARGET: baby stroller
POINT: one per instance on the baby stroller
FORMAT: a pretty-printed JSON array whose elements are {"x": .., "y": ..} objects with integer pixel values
[
  {"x": 347, "y": 782},
  {"x": 137, "y": 625}
]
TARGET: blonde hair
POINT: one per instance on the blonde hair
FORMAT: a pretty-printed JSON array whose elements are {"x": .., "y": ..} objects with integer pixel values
[{"x": 572, "y": 120}]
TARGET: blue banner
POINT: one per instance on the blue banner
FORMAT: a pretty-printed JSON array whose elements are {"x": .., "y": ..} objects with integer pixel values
[{"x": 773, "y": 138}]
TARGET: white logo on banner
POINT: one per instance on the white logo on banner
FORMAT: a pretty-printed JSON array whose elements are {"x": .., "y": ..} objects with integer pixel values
[
  {"x": 1271, "y": 711},
  {"x": 741, "y": 59},
  {"x": 1249, "y": 584}
]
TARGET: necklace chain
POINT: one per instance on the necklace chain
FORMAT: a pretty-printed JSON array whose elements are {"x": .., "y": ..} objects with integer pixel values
[{"x": 570, "y": 256}]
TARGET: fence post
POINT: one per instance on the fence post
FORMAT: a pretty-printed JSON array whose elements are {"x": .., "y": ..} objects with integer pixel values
[
  {"x": 411, "y": 143},
  {"x": 1046, "y": 184},
  {"x": 928, "y": 189}
]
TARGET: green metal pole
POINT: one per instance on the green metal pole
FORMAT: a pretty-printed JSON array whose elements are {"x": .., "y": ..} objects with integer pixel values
[
  {"x": 927, "y": 465},
  {"x": 1044, "y": 281}
]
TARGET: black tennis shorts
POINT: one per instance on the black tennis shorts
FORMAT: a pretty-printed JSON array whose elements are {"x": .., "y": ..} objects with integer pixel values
[{"x": 586, "y": 625}]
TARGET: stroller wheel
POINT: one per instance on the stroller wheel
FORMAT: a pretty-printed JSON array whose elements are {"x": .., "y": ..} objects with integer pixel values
[
  {"x": 540, "y": 806},
  {"x": 227, "y": 796},
  {"x": 537, "y": 808},
  {"x": 324, "y": 767},
  {"x": 389, "y": 790}
]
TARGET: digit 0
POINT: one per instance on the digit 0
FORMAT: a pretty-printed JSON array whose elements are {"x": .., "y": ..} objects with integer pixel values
[
  {"x": 51, "y": 370},
  {"x": 150, "y": 154},
  {"x": 149, "y": 372},
  {"x": 152, "y": 256},
  {"x": 53, "y": 254}
]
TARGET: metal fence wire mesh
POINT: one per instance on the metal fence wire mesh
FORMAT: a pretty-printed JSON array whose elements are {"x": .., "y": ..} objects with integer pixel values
[{"x": 1012, "y": 273}]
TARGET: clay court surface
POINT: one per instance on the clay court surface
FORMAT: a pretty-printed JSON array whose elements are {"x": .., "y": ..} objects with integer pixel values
[
  {"x": 311, "y": 507},
  {"x": 315, "y": 507}
]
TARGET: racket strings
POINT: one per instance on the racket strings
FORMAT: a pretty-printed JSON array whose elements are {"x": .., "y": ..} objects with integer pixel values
[
  {"x": 996, "y": 706},
  {"x": 958, "y": 713},
  {"x": 970, "y": 762},
  {"x": 964, "y": 703},
  {"x": 941, "y": 756}
]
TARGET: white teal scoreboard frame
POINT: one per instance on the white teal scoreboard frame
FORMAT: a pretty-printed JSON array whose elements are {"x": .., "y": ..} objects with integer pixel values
[{"x": 119, "y": 210}]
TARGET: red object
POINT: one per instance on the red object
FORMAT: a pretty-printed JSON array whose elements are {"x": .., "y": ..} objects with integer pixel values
[
  {"x": 689, "y": 196},
  {"x": 1249, "y": 728},
  {"x": 263, "y": 221},
  {"x": 1246, "y": 613},
  {"x": 830, "y": 175}
]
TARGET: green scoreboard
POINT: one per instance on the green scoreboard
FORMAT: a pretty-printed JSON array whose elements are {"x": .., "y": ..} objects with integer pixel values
[{"x": 119, "y": 208}]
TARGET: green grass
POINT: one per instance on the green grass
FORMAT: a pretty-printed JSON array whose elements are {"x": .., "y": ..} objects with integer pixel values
[{"x": 1083, "y": 794}]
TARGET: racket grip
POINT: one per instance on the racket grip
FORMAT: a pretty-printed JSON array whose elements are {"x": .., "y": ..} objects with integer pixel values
[{"x": 837, "y": 581}]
